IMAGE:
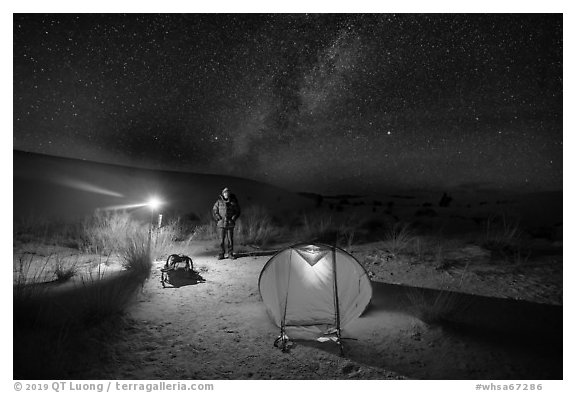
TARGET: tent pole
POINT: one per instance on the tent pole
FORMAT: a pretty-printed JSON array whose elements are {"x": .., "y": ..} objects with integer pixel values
[
  {"x": 336, "y": 301},
  {"x": 283, "y": 338}
]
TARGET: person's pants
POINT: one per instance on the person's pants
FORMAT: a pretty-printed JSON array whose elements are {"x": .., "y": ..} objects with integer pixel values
[{"x": 227, "y": 235}]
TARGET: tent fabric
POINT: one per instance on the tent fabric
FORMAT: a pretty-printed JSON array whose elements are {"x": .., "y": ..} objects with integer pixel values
[{"x": 298, "y": 287}]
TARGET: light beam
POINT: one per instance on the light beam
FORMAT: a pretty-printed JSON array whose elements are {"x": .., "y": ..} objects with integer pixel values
[{"x": 84, "y": 186}]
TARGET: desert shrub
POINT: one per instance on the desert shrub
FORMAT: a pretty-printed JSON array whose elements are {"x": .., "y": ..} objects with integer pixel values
[
  {"x": 182, "y": 228},
  {"x": 398, "y": 237},
  {"x": 110, "y": 232},
  {"x": 352, "y": 228},
  {"x": 345, "y": 229},
  {"x": 439, "y": 261},
  {"x": 49, "y": 231},
  {"x": 520, "y": 256},
  {"x": 48, "y": 324},
  {"x": 71, "y": 235},
  {"x": 427, "y": 249},
  {"x": 318, "y": 226},
  {"x": 32, "y": 268},
  {"x": 35, "y": 275},
  {"x": 172, "y": 238},
  {"x": 375, "y": 227},
  {"x": 32, "y": 228},
  {"x": 346, "y": 236},
  {"x": 65, "y": 271},
  {"x": 503, "y": 236},
  {"x": 205, "y": 230},
  {"x": 137, "y": 256},
  {"x": 256, "y": 226},
  {"x": 502, "y": 230},
  {"x": 29, "y": 274},
  {"x": 419, "y": 248}
]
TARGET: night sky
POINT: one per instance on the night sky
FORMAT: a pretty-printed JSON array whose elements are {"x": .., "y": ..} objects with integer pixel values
[{"x": 324, "y": 103}]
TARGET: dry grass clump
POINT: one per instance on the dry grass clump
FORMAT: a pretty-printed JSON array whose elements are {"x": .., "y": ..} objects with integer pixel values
[
  {"x": 31, "y": 229},
  {"x": 137, "y": 257},
  {"x": 64, "y": 271},
  {"x": 317, "y": 226},
  {"x": 399, "y": 237},
  {"x": 206, "y": 229},
  {"x": 109, "y": 232},
  {"x": 256, "y": 227},
  {"x": 503, "y": 236},
  {"x": 501, "y": 232},
  {"x": 172, "y": 238},
  {"x": 49, "y": 323}
]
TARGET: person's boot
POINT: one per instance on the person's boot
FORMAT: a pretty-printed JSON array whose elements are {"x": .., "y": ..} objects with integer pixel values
[
  {"x": 232, "y": 256},
  {"x": 220, "y": 256}
]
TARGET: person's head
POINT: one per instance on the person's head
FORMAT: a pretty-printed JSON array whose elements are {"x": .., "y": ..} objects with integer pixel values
[{"x": 226, "y": 193}]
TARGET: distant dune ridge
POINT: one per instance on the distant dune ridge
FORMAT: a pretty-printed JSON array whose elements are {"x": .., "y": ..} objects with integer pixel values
[{"x": 68, "y": 189}]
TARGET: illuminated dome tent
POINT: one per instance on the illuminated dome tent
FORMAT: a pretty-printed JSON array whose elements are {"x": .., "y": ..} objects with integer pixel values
[{"x": 313, "y": 291}]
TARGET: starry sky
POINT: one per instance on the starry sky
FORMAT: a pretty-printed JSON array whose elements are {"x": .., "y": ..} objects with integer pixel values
[{"x": 309, "y": 102}]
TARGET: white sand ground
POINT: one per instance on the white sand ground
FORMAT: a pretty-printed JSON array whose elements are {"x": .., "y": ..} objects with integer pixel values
[{"x": 219, "y": 329}]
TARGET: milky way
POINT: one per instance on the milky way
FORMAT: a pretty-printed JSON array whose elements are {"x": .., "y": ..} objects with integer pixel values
[{"x": 310, "y": 102}]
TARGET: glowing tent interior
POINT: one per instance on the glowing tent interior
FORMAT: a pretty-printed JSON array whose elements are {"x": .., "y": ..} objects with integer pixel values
[{"x": 311, "y": 291}]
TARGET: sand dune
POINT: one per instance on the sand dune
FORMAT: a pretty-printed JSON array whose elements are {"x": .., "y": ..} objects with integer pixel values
[{"x": 66, "y": 189}]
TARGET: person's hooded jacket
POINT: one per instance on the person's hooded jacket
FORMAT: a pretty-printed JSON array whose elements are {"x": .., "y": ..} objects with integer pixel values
[{"x": 226, "y": 211}]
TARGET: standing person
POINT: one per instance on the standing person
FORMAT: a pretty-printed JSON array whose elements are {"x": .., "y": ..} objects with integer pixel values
[{"x": 226, "y": 211}]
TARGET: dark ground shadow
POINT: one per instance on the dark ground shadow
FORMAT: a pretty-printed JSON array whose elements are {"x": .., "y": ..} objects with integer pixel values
[
  {"x": 454, "y": 335},
  {"x": 472, "y": 311},
  {"x": 261, "y": 253},
  {"x": 205, "y": 253},
  {"x": 243, "y": 254},
  {"x": 180, "y": 278}
]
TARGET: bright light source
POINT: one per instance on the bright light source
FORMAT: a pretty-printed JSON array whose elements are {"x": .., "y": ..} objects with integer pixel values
[
  {"x": 312, "y": 254},
  {"x": 311, "y": 249},
  {"x": 154, "y": 203}
]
